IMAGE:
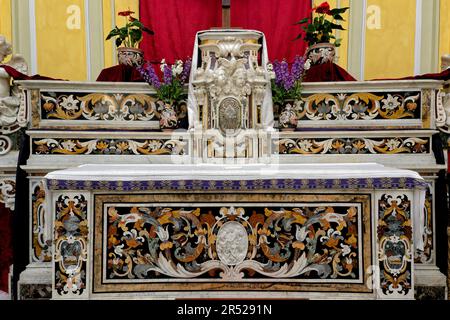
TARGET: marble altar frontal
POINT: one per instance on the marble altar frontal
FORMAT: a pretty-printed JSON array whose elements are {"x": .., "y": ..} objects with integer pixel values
[{"x": 212, "y": 230}]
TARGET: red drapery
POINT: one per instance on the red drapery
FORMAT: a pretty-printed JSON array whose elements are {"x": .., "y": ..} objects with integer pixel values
[
  {"x": 276, "y": 20},
  {"x": 176, "y": 22}
]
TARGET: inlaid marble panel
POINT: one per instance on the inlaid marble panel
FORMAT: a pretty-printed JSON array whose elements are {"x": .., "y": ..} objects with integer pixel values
[{"x": 219, "y": 242}]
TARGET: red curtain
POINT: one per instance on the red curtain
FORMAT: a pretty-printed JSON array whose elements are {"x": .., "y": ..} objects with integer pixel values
[
  {"x": 276, "y": 19},
  {"x": 175, "y": 23}
]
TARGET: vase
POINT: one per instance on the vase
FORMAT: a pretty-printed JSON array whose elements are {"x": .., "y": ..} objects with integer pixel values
[
  {"x": 168, "y": 117},
  {"x": 320, "y": 53},
  {"x": 288, "y": 118},
  {"x": 130, "y": 56}
]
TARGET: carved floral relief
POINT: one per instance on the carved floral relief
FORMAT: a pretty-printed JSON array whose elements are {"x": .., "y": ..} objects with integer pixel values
[
  {"x": 63, "y": 146},
  {"x": 342, "y": 145}
]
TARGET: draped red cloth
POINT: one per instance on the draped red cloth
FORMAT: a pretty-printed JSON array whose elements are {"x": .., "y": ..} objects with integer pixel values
[
  {"x": 120, "y": 73},
  {"x": 6, "y": 255},
  {"x": 175, "y": 24},
  {"x": 276, "y": 20},
  {"x": 16, "y": 75},
  {"x": 327, "y": 72},
  {"x": 443, "y": 75}
]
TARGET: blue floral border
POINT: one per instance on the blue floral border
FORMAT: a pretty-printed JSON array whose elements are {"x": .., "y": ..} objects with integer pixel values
[{"x": 260, "y": 184}]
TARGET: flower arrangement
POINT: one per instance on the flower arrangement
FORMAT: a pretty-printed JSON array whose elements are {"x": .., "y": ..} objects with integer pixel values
[
  {"x": 286, "y": 84},
  {"x": 170, "y": 88},
  {"x": 321, "y": 27},
  {"x": 131, "y": 34}
]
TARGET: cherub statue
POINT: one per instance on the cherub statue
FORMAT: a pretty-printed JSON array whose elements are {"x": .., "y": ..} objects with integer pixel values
[
  {"x": 9, "y": 97},
  {"x": 240, "y": 82}
]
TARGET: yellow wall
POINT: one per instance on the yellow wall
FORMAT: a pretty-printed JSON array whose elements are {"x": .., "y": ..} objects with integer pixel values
[
  {"x": 342, "y": 50},
  {"x": 60, "y": 41},
  {"x": 5, "y": 19},
  {"x": 390, "y": 49},
  {"x": 107, "y": 26},
  {"x": 110, "y": 19},
  {"x": 444, "y": 34}
]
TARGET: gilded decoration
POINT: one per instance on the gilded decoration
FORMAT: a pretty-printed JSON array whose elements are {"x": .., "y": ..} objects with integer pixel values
[
  {"x": 41, "y": 243},
  {"x": 313, "y": 243},
  {"x": 64, "y": 146},
  {"x": 359, "y": 106},
  {"x": 391, "y": 145},
  {"x": 395, "y": 244},
  {"x": 103, "y": 106},
  {"x": 71, "y": 237}
]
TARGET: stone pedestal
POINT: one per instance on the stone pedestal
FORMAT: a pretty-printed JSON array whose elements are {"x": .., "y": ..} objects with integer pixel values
[
  {"x": 430, "y": 283},
  {"x": 35, "y": 282}
]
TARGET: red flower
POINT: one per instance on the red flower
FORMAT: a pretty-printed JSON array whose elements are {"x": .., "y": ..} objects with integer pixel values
[
  {"x": 125, "y": 13},
  {"x": 132, "y": 19},
  {"x": 323, "y": 8}
]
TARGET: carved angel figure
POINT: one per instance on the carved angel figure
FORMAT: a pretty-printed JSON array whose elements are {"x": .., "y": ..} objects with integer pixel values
[{"x": 9, "y": 98}]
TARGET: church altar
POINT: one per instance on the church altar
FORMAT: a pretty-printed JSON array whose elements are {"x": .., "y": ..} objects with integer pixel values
[
  {"x": 342, "y": 206},
  {"x": 211, "y": 230}
]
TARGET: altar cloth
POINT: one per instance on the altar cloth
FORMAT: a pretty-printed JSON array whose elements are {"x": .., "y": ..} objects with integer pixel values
[
  {"x": 249, "y": 177},
  {"x": 170, "y": 172}
]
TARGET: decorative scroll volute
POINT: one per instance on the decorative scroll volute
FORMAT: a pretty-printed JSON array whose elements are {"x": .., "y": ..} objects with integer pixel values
[{"x": 443, "y": 111}]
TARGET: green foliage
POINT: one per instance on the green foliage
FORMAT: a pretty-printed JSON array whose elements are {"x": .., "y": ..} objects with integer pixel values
[
  {"x": 171, "y": 92},
  {"x": 279, "y": 94},
  {"x": 130, "y": 35},
  {"x": 321, "y": 29}
]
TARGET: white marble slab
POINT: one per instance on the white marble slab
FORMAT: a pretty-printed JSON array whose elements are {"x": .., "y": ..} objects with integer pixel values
[{"x": 143, "y": 172}]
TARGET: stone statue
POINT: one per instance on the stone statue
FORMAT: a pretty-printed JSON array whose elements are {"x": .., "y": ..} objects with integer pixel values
[{"x": 9, "y": 96}]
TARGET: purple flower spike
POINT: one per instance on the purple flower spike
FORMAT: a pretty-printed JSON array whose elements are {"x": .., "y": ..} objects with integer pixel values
[
  {"x": 184, "y": 77},
  {"x": 149, "y": 75},
  {"x": 277, "y": 70},
  {"x": 285, "y": 76},
  {"x": 167, "y": 74},
  {"x": 298, "y": 67}
]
